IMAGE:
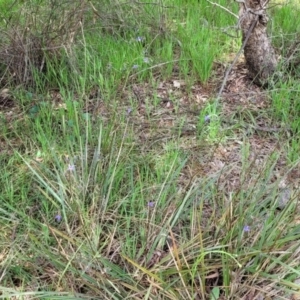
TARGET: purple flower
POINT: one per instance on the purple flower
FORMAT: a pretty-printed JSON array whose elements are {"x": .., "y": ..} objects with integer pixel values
[
  {"x": 71, "y": 168},
  {"x": 135, "y": 66},
  {"x": 57, "y": 218},
  {"x": 128, "y": 111},
  {"x": 146, "y": 60},
  {"x": 139, "y": 39},
  {"x": 151, "y": 204},
  {"x": 207, "y": 119},
  {"x": 246, "y": 228}
]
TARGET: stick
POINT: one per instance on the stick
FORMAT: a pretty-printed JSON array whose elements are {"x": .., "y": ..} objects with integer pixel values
[
  {"x": 226, "y": 9},
  {"x": 237, "y": 56}
]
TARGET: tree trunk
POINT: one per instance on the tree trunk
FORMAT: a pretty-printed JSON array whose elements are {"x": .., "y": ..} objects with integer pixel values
[{"x": 259, "y": 54}]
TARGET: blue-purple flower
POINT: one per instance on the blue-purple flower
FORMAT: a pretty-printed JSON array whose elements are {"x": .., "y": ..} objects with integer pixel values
[
  {"x": 207, "y": 119},
  {"x": 71, "y": 168},
  {"x": 58, "y": 218},
  {"x": 135, "y": 67},
  {"x": 146, "y": 60},
  {"x": 139, "y": 39},
  {"x": 128, "y": 111},
  {"x": 151, "y": 204},
  {"x": 246, "y": 228}
]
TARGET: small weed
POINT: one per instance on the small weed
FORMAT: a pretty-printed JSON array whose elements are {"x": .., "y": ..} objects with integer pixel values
[{"x": 209, "y": 123}]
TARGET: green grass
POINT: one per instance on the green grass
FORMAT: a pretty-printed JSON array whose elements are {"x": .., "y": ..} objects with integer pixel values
[{"x": 123, "y": 178}]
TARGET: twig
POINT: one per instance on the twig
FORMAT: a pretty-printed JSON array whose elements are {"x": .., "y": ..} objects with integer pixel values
[
  {"x": 224, "y": 8},
  {"x": 237, "y": 56}
]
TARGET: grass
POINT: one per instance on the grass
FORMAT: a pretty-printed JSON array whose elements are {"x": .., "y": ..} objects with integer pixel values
[{"x": 124, "y": 178}]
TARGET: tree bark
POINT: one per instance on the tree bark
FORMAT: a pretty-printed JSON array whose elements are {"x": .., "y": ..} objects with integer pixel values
[{"x": 259, "y": 54}]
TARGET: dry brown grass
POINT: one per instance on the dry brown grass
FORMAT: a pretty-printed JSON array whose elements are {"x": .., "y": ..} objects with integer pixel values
[{"x": 36, "y": 35}]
